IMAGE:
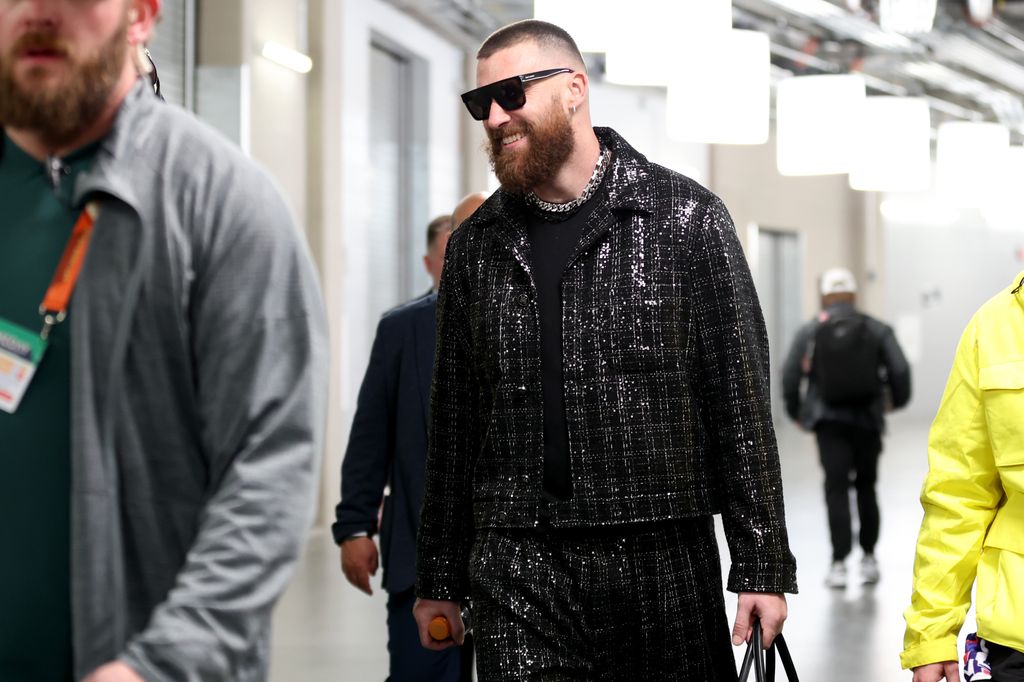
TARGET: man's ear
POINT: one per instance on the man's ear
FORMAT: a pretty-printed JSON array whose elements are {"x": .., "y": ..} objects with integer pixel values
[
  {"x": 142, "y": 17},
  {"x": 579, "y": 85}
]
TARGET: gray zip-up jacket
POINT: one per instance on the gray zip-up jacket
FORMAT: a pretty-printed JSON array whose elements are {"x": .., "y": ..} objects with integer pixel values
[{"x": 199, "y": 383}]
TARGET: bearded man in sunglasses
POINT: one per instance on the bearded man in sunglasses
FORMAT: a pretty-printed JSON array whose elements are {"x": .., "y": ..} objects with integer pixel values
[{"x": 600, "y": 391}]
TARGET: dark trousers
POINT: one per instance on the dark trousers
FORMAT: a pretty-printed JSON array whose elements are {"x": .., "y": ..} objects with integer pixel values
[
  {"x": 410, "y": 662},
  {"x": 1007, "y": 664},
  {"x": 643, "y": 602},
  {"x": 849, "y": 456}
]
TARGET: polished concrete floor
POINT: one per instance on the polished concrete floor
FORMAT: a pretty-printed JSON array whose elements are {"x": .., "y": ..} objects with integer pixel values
[{"x": 328, "y": 631}]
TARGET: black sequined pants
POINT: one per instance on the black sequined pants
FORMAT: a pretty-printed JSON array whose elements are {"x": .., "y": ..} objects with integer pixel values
[{"x": 643, "y": 602}]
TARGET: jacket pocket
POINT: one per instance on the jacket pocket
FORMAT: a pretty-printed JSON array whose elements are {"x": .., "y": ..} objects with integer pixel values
[
  {"x": 1002, "y": 388},
  {"x": 1007, "y": 528}
]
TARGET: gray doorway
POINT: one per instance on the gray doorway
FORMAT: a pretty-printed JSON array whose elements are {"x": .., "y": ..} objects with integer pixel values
[{"x": 777, "y": 276}]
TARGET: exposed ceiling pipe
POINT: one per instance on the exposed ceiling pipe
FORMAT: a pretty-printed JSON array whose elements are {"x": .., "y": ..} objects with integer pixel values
[{"x": 436, "y": 16}]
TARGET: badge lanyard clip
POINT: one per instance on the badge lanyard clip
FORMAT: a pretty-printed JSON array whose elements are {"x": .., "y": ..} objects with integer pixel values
[{"x": 55, "y": 304}]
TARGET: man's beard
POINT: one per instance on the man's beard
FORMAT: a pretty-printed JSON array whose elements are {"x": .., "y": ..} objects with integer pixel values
[
  {"x": 550, "y": 144},
  {"x": 59, "y": 112}
]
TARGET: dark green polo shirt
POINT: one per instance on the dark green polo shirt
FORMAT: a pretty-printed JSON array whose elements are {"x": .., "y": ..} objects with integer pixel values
[{"x": 35, "y": 449}]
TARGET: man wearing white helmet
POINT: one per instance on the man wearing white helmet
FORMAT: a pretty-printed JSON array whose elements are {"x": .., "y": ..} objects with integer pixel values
[{"x": 855, "y": 372}]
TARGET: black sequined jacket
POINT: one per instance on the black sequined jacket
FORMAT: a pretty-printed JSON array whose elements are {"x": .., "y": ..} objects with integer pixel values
[{"x": 665, "y": 371}]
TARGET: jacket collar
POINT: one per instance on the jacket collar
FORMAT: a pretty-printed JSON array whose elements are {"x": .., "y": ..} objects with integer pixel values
[
  {"x": 120, "y": 154},
  {"x": 1017, "y": 289},
  {"x": 629, "y": 187}
]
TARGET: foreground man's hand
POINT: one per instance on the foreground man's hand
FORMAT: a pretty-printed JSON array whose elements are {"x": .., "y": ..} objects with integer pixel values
[
  {"x": 425, "y": 610},
  {"x": 114, "y": 672},
  {"x": 769, "y": 607},
  {"x": 933, "y": 672},
  {"x": 359, "y": 559}
]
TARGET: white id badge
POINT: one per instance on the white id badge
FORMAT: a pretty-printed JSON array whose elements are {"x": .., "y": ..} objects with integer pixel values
[{"x": 21, "y": 351}]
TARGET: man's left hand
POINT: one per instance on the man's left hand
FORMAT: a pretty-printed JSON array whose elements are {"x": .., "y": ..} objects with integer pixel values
[
  {"x": 114, "y": 672},
  {"x": 769, "y": 607}
]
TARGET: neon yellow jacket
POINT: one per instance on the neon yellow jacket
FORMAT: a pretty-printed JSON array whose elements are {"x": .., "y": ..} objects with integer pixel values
[{"x": 973, "y": 497}]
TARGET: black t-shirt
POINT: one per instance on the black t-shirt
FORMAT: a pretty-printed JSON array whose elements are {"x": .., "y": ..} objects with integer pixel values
[{"x": 552, "y": 244}]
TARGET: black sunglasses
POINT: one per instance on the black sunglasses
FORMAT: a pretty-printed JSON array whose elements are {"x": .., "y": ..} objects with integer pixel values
[{"x": 510, "y": 93}]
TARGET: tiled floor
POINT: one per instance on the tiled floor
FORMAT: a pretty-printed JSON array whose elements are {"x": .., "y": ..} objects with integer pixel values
[{"x": 328, "y": 631}]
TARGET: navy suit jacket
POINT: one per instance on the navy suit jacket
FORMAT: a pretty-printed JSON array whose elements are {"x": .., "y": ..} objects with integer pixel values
[{"x": 388, "y": 442}]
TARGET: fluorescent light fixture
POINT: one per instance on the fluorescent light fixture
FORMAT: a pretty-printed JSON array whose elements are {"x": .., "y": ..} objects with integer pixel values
[
  {"x": 595, "y": 25},
  {"x": 646, "y": 40},
  {"x": 729, "y": 104},
  {"x": 919, "y": 212},
  {"x": 971, "y": 159},
  {"x": 815, "y": 119},
  {"x": 907, "y": 16},
  {"x": 287, "y": 57},
  {"x": 893, "y": 153}
]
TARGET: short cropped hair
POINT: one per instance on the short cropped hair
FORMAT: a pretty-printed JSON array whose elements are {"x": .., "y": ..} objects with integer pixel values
[
  {"x": 546, "y": 35},
  {"x": 442, "y": 223}
]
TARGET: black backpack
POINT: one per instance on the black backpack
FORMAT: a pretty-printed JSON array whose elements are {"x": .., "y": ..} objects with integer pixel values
[{"x": 846, "y": 362}]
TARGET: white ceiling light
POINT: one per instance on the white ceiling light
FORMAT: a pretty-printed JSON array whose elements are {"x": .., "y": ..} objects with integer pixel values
[
  {"x": 1005, "y": 212},
  {"x": 648, "y": 39},
  {"x": 907, "y": 16},
  {"x": 287, "y": 57},
  {"x": 971, "y": 158},
  {"x": 815, "y": 119},
  {"x": 893, "y": 153},
  {"x": 721, "y": 92},
  {"x": 591, "y": 23}
]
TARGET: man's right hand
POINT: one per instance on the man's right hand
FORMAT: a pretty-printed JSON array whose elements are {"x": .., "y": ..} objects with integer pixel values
[
  {"x": 359, "y": 561},
  {"x": 425, "y": 610},
  {"x": 933, "y": 672}
]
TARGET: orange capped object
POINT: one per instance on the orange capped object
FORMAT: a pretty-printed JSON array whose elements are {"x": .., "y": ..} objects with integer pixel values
[{"x": 439, "y": 629}]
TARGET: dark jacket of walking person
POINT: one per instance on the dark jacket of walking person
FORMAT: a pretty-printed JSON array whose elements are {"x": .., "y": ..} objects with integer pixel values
[
  {"x": 600, "y": 392},
  {"x": 387, "y": 451},
  {"x": 820, "y": 386}
]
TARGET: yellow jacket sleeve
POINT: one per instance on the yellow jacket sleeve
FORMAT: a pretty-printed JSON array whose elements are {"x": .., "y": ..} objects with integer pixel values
[{"x": 960, "y": 497}]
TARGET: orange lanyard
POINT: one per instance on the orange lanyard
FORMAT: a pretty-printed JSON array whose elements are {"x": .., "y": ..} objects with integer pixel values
[{"x": 55, "y": 304}]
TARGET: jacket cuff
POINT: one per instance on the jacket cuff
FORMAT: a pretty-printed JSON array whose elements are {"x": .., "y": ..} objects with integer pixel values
[
  {"x": 135, "y": 659},
  {"x": 341, "y": 531},
  {"x": 775, "y": 577},
  {"x": 936, "y": 651}
]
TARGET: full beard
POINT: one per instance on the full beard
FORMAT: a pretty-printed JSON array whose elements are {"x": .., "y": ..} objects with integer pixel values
[
  {"x": 550, "y": 144},
  {"x": 60, "y": 112}
]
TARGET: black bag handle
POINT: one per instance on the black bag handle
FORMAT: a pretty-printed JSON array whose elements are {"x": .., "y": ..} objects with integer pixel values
[{"x": 763, "y": 661}]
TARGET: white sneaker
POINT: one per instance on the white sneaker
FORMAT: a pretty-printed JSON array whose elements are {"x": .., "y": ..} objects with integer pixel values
[
  {"x": 836, "y": 575},
  {"x": 869, "y": 573}
]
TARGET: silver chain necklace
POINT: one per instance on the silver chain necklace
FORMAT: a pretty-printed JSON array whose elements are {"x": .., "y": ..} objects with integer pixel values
[{"x": 603, "y": 161}]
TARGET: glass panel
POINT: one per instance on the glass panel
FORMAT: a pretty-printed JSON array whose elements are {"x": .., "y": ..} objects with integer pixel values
[{"x": 387, "y": 195}]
